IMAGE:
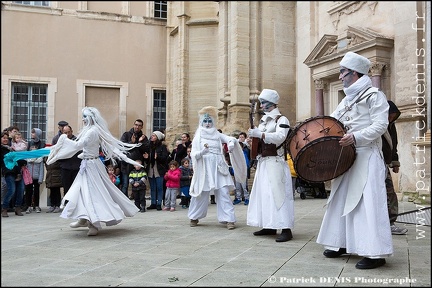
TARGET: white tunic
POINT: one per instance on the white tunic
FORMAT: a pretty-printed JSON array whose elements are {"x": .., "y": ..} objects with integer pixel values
[
  {"x": 356, "y": 217},
  {"x": 271, "y": 202}
]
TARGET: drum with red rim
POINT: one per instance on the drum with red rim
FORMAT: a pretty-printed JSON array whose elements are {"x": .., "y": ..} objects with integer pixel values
[{"x": 315, "y": 150}]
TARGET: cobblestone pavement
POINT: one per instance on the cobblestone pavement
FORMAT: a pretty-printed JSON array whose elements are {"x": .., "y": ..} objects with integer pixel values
[{"x": 159, "y": 248}]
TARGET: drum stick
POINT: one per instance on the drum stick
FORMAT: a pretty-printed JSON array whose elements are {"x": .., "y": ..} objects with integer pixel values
[{"x": 337, "y": 164}]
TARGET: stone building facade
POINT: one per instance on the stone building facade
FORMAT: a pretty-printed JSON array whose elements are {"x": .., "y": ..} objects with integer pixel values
[
  {"x": 114, "y": 55},
  {"x": 83, "y": 53},
  {"x": 224, "y": 53}
]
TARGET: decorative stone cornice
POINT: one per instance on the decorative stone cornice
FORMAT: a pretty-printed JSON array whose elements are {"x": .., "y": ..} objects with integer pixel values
[
  {"x": 83, "y": 14},
  {"x": 330, "y": 48},
  {"x": 345, "y": 7},
  {"x": 202, "y": 22},
  {"x": 325, "y": 46},
  {"x": 348, "y": 7}
]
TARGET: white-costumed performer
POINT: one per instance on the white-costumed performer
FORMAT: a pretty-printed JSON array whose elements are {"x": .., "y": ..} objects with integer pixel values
[
  {"x": 93, "y": 199},
  {"x": 356, "y": 219},
  {"x": 271, "y": 204},
  {"x": 211, "y": 172}
]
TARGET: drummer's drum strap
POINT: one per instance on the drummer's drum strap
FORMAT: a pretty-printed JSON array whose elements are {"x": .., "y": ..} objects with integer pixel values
[
  {"x": 360, "y": 98},
  {"x": 284, "y": 144}
]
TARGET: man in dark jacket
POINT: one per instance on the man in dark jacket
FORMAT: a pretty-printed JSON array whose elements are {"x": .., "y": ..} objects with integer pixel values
[
  {"x": 61, "y": 125},
  {"x": 133, "y": 136},
  {"x": 53, "y": 179},
  {"x": 392, "y": 161},
  {"x": 69, "y": 167}
]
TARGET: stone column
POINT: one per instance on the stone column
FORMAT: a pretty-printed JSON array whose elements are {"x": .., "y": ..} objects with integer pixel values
[
  {"x": 319, "y": 97},
  {"x": 239, "y": 52},
  {"x": 239, "y": 65},
  {"x": 376, "y": 71}
]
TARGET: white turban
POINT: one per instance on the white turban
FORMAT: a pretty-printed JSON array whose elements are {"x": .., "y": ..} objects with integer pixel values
[
  {"x": 356, "y": 62},
  {"x": 269, "y": 95}
]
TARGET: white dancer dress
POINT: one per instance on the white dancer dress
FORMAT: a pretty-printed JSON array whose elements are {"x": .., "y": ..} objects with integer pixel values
[{"x": 92, "y": 195}]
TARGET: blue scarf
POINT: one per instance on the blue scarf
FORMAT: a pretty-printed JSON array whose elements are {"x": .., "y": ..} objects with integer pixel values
[{"x": 11, "y": 158}]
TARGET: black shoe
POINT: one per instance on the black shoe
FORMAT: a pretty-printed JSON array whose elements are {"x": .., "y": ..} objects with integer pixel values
[
  {"x": 152, "y": 206},
  {"x": 368, "y": 263},
  {"x": 333, "y": 254},
  {"x": 285, "y": 236},
  {"x": 158, "y": 207},
  {"x": 212, "y": 199},
  {"x": 265, "y": 232}
]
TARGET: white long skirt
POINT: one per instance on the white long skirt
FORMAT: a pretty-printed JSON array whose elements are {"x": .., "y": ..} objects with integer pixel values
[
  {"x": 94, "y": 197},
  {"x": 364, "y": 231},
  {"x": 262, "y": 209}
]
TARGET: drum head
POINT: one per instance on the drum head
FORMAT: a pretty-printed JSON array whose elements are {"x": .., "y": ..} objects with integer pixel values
[{"x": 324, "y": 159}]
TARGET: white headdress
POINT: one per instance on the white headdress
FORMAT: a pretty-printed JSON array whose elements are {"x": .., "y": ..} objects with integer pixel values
[
  {"x": 208, "y": 111},
  {"x": 269, "y": 95},
  {"x": 110, "y": 145},
  {"x": 356, "y": 62}
]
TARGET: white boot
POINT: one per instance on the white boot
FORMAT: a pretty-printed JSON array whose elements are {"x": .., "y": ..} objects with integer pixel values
[
  {"x": 93, "y": 231},
  {"x": 79, "y": 223}
]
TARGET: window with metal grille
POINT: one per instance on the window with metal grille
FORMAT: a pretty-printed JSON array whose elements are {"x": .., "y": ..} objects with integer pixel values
[
  {"x": 160, "y": 9},
  {"x": 29, "y": 108},
  {"x": 33, "y": 3},
  {"x": 159, "y": 110}
]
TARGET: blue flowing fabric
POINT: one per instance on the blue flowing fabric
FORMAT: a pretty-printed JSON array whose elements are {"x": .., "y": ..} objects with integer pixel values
[{"x": 11, "y": 158}]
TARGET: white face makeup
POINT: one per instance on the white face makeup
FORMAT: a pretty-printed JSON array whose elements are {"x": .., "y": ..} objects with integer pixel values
[
  {"x": 86, "y": 118},
  {"x": 207, "y": 121},
  {"x": 346, "y": 76},
  {"x": 266, "y": 105}
]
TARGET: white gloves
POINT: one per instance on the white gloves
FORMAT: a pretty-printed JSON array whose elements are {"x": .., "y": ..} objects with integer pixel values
[
  {"x": 231, "y": 145},
  {"x": 204, "y": 151},
  {"x": 255, "y": 132}
]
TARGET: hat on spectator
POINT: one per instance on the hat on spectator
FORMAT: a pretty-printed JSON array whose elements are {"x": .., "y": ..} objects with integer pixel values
[
  {"x": 63, "y": 123},
  {"x": 269, "y": 95},
  {"x": 356, "y": 62},
  {"x": 159, "y": 135}
]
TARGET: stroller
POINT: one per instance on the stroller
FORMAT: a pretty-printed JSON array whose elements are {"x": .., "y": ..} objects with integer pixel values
[
  {"x": 304, "y": 188},
  {"x": 315, "y": 190}
]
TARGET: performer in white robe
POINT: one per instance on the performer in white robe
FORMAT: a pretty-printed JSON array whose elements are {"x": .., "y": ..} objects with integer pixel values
[
  {"x": 211, "y": 172},
  {"x": 93, "y": 199},
  {"x": 271, "y": 202},
  {"x": 356, "y": 219}
]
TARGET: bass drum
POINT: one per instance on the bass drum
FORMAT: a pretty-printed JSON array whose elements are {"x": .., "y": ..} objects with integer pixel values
[{"x": 315, "y": 150}]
